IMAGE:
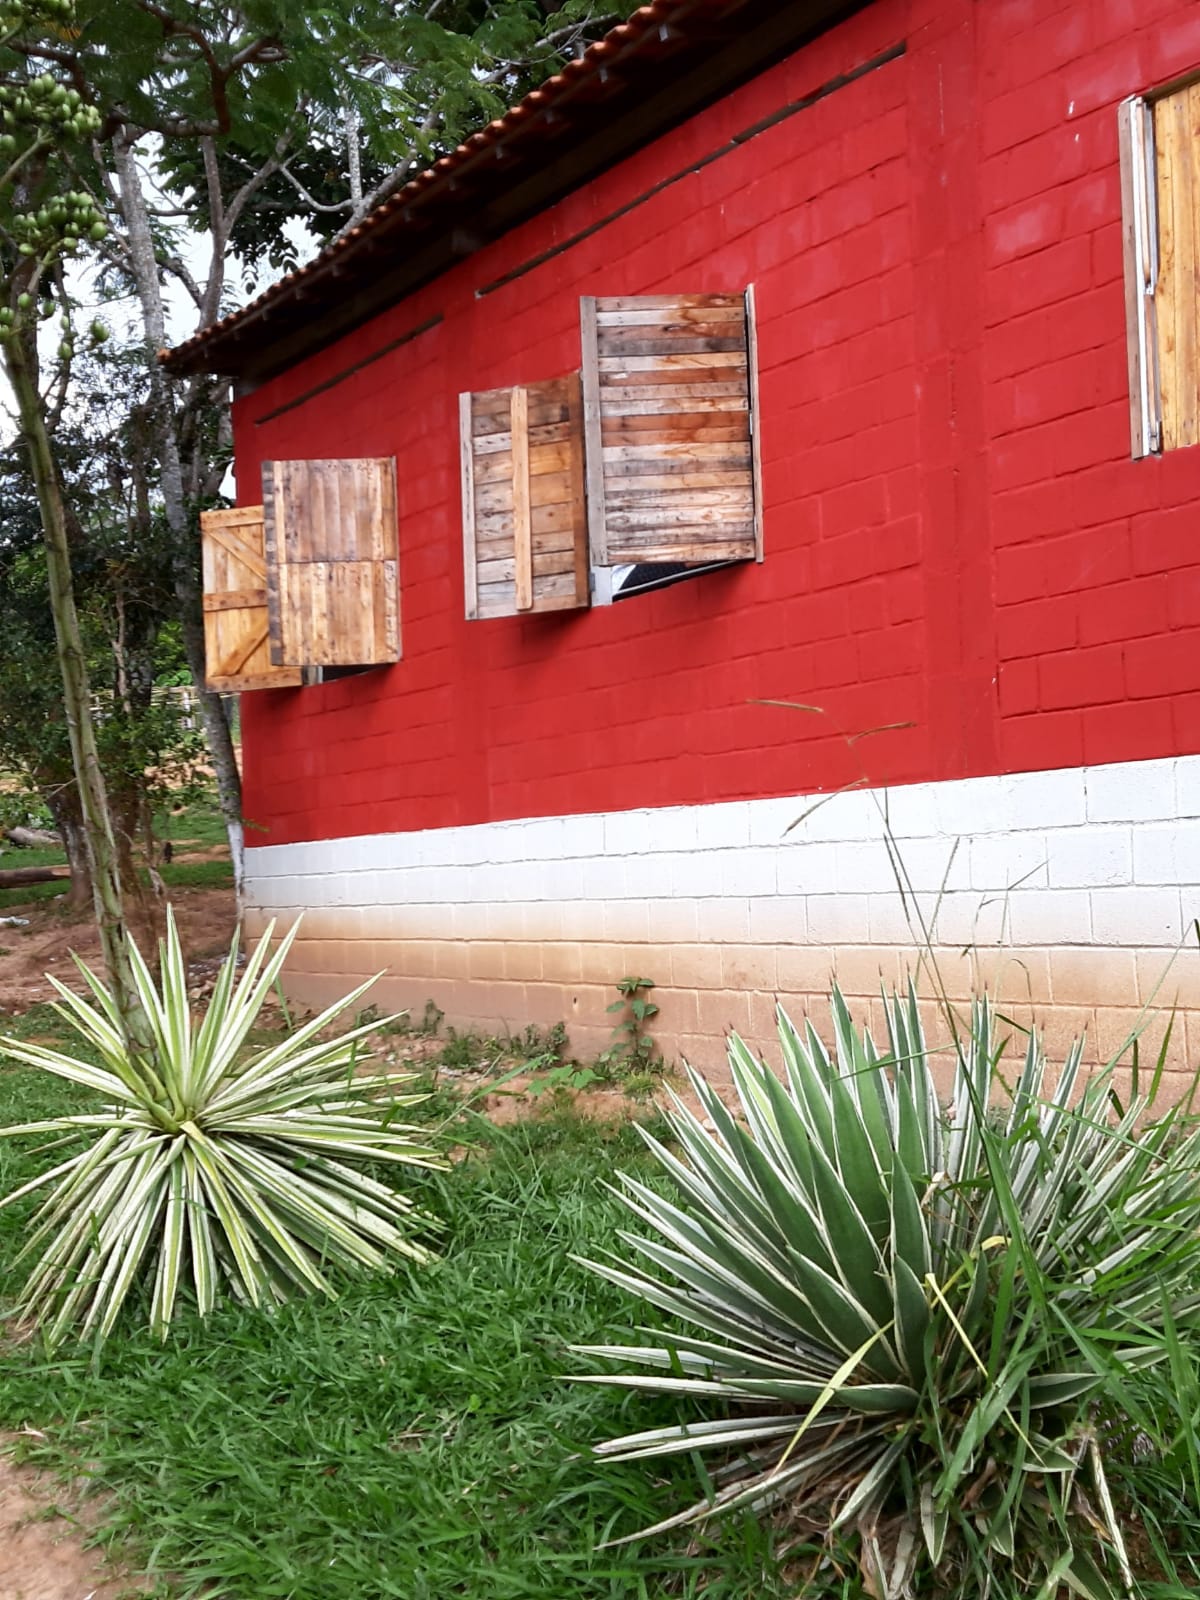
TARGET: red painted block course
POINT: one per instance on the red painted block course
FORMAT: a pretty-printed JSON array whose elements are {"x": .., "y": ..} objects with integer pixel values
[
  {"x": 1082, "y": 677},
  {"x": 1129, "y": 731}
]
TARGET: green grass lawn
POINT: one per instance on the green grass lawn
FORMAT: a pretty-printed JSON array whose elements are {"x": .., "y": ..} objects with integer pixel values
[
  {"x": 197, "y": 827},
  {"x": 416, "y": 1439}
]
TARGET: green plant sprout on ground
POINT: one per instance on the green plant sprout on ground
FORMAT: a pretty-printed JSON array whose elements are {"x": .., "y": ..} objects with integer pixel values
[{"x": 632, "y": 1051}]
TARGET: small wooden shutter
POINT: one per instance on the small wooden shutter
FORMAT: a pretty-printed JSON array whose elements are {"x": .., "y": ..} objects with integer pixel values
[
  {"x": 332, "y": 560},
  {"x": 668, "y": 422},
  {"x": 236, "y": 647},
  {"x": 524, "y": 516}
]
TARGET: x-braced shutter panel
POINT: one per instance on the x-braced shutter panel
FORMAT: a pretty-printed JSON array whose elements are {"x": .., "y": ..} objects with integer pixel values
[
  {"x": 236, "y": 646},
  {"x": 332, "y": 559},
  {"x": 667, "y": 388},
  {"x": 524, "y": 516}
]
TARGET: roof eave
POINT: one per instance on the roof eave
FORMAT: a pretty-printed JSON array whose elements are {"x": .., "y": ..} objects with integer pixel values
[{"x": 501, "y": 176}]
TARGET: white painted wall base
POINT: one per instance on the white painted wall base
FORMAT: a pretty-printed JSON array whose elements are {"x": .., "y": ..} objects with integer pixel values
[{"x": 1079, "y": 884}]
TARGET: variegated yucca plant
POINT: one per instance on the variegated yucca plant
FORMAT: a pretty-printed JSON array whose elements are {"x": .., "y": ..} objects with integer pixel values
[
  {"x": 907, "y": 1324},
  {"x": 210, "y": 1160}
]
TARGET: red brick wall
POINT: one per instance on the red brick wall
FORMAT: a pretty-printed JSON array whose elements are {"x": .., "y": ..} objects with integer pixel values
[{"x": 956, "y": 540}]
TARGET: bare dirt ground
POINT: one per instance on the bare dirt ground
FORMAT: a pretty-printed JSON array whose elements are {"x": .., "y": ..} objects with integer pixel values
[
  {"x": 43, "y": 1553},
  {"x": 44, "y": 1528},
  {"x": 205, "y": 917}
]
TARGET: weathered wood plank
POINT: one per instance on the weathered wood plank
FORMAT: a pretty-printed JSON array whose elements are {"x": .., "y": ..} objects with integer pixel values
[
  {"x": 647, "y": 433},
  {"x": 680, "y": 315},
  {"x": 551, "y": 493},
  {"x": 590, "y": 386},
  {"x": 240, "y": 650},
  {"x": 1180, "y": 114},
  {"x": 550, "y": 433},
  {"x": 656, "y": 515},
  {"x": 678, "y": 386},
  {"x": 238, "y": 545},
  {"x": 755, "y": 420},
  {"x": 553, "y": 458},
  {"x": 542, "y": 413},
  {"x": 1189, "y": 407},
  {"x": 500, "y": 545},
  {"x": 682, "y": 456},
  {"x": 679, "y": 479},
  {"x": 504, "y": 569},
  {"x": 558, "y": 594},
  {"x": 626, "y": 342},
  {"x": 1167, "y": 294},
  {"x": 522, "y": 531},
  {"x": 578, "y": 501},
  {"x": 237, "y": 600},
  {"x": 695, "y": 550},
  {"x": 629, "y": 494},
  {"x": 231, "y": 517},
  {"x": 611, "y": 304},
  {"x": 622, "y": 404},
  {"x": 733, "y": 359},
  {"x": 466, "y": 449}
]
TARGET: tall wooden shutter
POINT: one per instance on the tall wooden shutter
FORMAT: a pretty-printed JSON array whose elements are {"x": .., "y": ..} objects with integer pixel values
[
  {"x": 668, "y": 421},
  {"x": 1160, "y": 187},
  {"x": 332, "y": 559},
  {"x": 236, "y": 647},
  {"x": 524, "y": 517},
  {"x": 1177, "y": 296}
]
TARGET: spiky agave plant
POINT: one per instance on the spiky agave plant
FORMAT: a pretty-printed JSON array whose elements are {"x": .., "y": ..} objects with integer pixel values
[
  {"x": 906, "y": 1319},
  {"x": 209, "y": 1160}
]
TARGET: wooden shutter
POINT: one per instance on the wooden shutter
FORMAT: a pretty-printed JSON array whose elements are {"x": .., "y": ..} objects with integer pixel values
[
  {"x": 1140, "y": 236},
  {"x": 1160, "y": 193},
  {"x": 332, "y": 560},
  {"x": 668, "y": 423},
  {"x": 1177, "y": 293},
  {"x": 236, "y": 647},
  {"x": 524, "y": 517}
]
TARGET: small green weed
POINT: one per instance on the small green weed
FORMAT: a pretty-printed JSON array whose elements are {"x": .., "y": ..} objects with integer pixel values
[
  {"x": 567, "y": 1078},
  {"x": 404, "y": 1027},
  {"x": 540, "y": 1045},
  {"x": 469, "y": 1051},
  {"x": 633, "y": 1052}
]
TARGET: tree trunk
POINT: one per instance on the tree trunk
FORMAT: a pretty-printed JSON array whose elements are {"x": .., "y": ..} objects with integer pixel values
[
  {"x": 68, "y": 819},
  {"x": 187, "y": 588},
  {"x": 20, "y": 359},
  {"x": 15, "y": 877}
]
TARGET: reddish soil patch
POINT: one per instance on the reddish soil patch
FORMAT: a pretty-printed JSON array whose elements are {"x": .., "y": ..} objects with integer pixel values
[
  {"x": 42, "y": 1544},
  {"x": 205, "y": 917}
]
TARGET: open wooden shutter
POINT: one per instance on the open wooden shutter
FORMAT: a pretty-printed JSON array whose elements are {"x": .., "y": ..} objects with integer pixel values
[
  {"x": 1177, "y": 294},
  {"x": 332, "y": 557},
  {"x": 524, "y": 516},
  {"x": 668, "y": 423},
  {"x": 1160, "y": 196},
  {"x": 236, "y": 648}
]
